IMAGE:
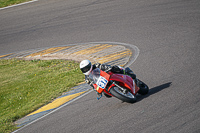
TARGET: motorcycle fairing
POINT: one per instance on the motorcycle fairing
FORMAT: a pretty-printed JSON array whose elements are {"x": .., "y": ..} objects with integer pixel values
[{"x": 126, "y": 81}]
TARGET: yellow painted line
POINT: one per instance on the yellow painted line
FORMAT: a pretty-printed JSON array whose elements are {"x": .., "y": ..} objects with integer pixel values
[
  {"x": 93, "y": 49},
  {"x": 114, "y": 56},
  {"x": 47, "y": 51},
  {"x": 81, "y": 83},
  {"x": 58, "y": 102},
  {"x": 5, "y": 55}
]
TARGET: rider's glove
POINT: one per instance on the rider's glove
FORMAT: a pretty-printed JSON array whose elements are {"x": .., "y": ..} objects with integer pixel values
[
  {"x": 87, "y": 81},
  {"x": 97, "y": 65},
  {"x": 116, "y": 69}
]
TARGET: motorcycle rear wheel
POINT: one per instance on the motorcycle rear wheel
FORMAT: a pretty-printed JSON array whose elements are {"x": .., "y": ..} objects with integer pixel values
[{"x": 125, "y": 97}]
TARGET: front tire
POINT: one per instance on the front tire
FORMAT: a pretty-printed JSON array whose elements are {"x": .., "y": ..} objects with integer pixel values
[
  {"x": 144, "y": 89},
  {"x": 125, "y": 97}
]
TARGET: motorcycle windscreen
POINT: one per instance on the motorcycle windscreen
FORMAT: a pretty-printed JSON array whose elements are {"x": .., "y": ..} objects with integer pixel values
[{"x": 102, "y": 81}]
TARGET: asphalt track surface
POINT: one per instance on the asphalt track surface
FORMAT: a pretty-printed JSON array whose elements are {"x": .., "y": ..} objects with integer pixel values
[{"x": 167, "y": 32}]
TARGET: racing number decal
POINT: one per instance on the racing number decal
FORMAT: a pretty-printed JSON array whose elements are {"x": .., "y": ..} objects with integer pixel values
[{"x": 102, "y": 82}]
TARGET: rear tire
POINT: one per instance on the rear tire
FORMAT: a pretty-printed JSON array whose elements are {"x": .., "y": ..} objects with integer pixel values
[
  {"x": 128, "y": 97},
  {"x": 108, "y": 96},
  {"x": 144, "y": 89}
]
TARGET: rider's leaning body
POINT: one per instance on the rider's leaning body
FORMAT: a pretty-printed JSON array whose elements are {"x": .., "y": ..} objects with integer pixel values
[{"x": 87, "y": 67}]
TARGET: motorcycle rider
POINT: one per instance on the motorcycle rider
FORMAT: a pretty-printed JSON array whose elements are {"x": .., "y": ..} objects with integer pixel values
[{"x": 87, "y": 67}]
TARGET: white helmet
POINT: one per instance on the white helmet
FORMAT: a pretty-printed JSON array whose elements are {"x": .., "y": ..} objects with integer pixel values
[{"x": 86, "y": 67}]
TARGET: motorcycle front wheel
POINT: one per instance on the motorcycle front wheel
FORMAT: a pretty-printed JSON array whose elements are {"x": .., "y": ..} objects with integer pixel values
[
  {"x": 144, "y": 89},
  {"x": 125, "y": 96}
]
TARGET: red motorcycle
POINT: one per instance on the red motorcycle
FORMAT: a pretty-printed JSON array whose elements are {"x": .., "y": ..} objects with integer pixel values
[{"x": 120, "y": 86}]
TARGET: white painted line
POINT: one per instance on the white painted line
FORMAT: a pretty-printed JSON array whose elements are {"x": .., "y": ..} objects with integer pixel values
[
  {"x": 18, "y": 4},
  {"x": 136, "y": 54},
  {"x": 54, "y": 110}
]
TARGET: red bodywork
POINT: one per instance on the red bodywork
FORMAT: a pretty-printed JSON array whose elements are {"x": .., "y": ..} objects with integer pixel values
[{"x": 124, "y": 81}]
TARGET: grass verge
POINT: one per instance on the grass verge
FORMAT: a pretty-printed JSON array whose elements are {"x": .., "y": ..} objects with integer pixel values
[
  {"x": 4, "y": 3},
  {"x": 27, "y": 85}
]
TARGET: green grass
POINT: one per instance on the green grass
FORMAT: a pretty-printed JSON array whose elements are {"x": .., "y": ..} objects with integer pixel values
[
  {"x": 4, "y": 3},
  {"x": 27, "y": 85}
]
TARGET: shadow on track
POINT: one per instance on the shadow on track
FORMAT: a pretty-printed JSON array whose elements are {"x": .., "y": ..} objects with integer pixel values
[{"x": 153, "y": 91}]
